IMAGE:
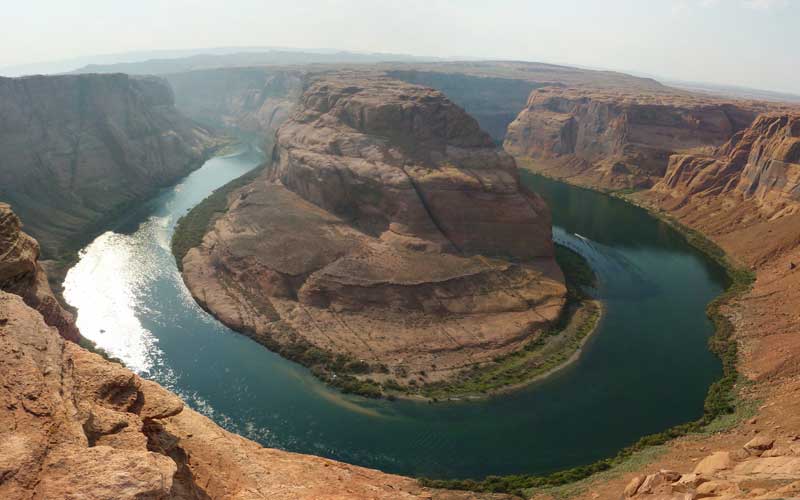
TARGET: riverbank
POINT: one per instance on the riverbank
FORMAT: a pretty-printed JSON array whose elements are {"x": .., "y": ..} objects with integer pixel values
[
  {"x": 725, "y": 408},
  {"x": 543, "y": 356}
]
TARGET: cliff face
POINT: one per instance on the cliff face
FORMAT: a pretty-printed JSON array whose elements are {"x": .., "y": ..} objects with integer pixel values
[
  {"x": 252, "y": 101},
  {"x": 615, "y": 139},
  {"x": 397, "y": 235},
  {"x": 745, "y": 196},
  {"x": 21, "y": 274},
  {"x": 76, "y": 150},
  {"x": 761, "y": 164},
  {"x": 493, "y": 102},
  {"x": 73, "y": 425}
]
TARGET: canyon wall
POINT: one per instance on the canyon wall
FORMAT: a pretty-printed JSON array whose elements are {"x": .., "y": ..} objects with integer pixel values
[
  {"x": 617, "y": 139},
  {"x": 760, "y": 164},
  {"x": 76, "y": 426},
  {"x": 493, "y": 102},
  {"x": 745, "y": 196},
  {"x": 399, "y": 238},
  {"x": 75, "y": 151},
  {"x": 249, "y": 101}
]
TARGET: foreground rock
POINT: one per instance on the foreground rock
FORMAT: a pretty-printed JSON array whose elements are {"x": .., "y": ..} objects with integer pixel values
[
  {"x": 21, "y": 273},
  {"x": 753, "y": 475},
  {"x": 76, "y": 150},
  {"x": 389, "y": 242},
  {"x": 615, "y": 139},
  {"x": 75, "y": 426}
]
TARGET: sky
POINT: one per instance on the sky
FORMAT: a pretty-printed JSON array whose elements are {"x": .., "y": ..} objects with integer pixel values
[{"x": 752, "y": 43}]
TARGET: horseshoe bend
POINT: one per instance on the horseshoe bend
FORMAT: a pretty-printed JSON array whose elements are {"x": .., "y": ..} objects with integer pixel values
[
  {"x": 247, "y": 272},
  {"x": 388, "y": 235}
]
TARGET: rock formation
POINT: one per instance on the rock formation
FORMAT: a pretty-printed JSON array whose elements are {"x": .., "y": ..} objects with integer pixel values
[
  {"x": 76, "y": 150},
  {"x": 761, "y": 164},
  {"x": 250, "y": 101},
  {"x": 757, "y": 471},
  {"x": 76, "y": 426},
  {"x": 493, "y": 102},
  {"x": 21, "y": 274},
  {"x": 618, "y": 139},
  {"x": 743, "y": 195},
  {"x": 388, "y": 234}
]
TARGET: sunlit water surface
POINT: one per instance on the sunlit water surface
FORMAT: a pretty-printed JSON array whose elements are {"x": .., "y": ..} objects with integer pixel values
[{"x": 645, "y": 369}]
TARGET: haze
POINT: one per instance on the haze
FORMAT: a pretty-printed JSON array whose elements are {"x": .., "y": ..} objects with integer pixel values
[{"x": 734, "y": 42}]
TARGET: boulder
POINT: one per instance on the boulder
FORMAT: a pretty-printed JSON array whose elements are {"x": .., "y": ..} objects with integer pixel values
[{"x": 714, "y": 463}]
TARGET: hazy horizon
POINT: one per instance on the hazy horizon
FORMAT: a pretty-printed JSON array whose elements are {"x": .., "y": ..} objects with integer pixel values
[{"x": 724, "y": 42}]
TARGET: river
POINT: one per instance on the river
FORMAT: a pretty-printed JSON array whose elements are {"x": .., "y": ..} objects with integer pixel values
[{"x": 645, "y": 369}]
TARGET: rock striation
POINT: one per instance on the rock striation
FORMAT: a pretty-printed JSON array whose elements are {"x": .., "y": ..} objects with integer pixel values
[
  {"x": 389, "y": 233},
  {"x": 76, "y": 426},
  {"x": 617, "y": 139},
  {"x": 75, "y": 150},
  {"x": 760, "y": 164}
]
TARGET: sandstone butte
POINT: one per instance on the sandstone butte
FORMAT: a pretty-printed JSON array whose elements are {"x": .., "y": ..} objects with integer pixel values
[
  {"x": 78, "y": 150},
  {"x": 621, "y": 138},
  {"x": 389, "y": 230},
  {"x": 745, "y": 195},
  {"x": 74, "y": 426}
]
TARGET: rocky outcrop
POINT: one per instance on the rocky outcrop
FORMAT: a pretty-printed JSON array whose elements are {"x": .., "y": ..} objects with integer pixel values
[
  {"x": 77, "y": 150},
  {"x": 761, "y": 164},
  {"x": 389, "y": 233},
  {"x": 251, "y": 101},
  {"x": 758, "y": 470},
  {"x": 493, "y": 102},
  {"x": 75, "y": 426},
  {"x": 21, "y": 274},
  {"x": 616, "y": 139}
]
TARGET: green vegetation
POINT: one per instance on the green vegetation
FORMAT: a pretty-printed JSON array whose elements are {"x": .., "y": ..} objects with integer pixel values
[
  {"x": 549, "y": 351},
  {"x": 720, "y": 404},
  {"x": 192, "y": 227},
  {"x": 540, "y": 356},
  {"x": 337, "y": 370}
]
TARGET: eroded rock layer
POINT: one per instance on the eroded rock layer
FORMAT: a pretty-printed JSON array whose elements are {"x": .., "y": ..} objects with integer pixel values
[
  {"x": 760, "y": 164},
  {"x": 387, "y": 230},
  {"x": 619, "y": 139},
  {"x": 21, "y": 273},
  {"x": 75, "y": 150}
]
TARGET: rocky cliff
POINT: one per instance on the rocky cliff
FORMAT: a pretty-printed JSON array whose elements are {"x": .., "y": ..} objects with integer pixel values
[
  {"x": 76, "y": 426},
  {"x": 744, "y": 196},
  {"x": 619, "y": 139},
  {"x": 493, "y": 102},
  {"x": 21, "y": 274},
  {"x": 77, "y": 150},
  {"x": 761, "y": 164},
  {"x": 249, "y": 101},
  {"x": 388, "y": 240}
]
